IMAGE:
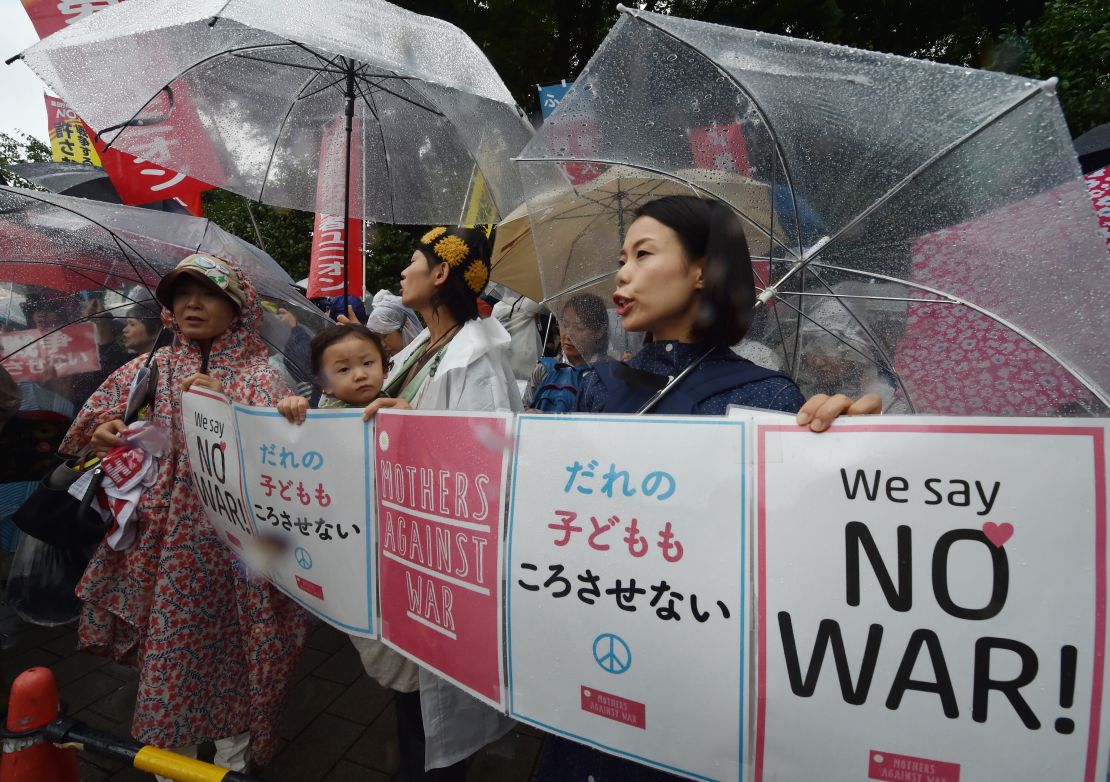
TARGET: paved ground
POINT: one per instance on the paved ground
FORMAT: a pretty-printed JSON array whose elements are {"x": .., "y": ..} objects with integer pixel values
[{"x": 338, "y": 727}]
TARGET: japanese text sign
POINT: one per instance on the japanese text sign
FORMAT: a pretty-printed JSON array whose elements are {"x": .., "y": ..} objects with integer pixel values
[
  {"x": 66, "y": 351},
  {"x": 932, "y": 601},
  {"x": 441, "y": 488},
  {"x": 50, "y": 16},
  {"x": 626, "y": 579},
  {"x": 336, "y": 245},
  {"x": 551, "y": 96},
  {"x": 69, "y": 138},
  {"x": 296, "y": 512}
]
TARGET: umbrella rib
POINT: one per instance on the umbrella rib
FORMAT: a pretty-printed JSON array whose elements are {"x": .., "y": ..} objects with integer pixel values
[
  {"x": 874, "y": 341},
  {"x": 281, "y": 128},
  {"x": 873, "y": 298},
  {"x": 913, "y": 175},
  {"x": 314, "y": 53},
  {"x": 1090, "y": 385},
  {"x": 85, "y": 319},
  {"x": 670, "y": 177},
  {"x": 846, "y": 342},
  {"x": 578, "y": 286},
  {"x": 313, "y": 68},
  {"x": 747, "y": 93},
  {"x": 318, "y": 90},
  {"x": 119, "y": 241},
  {"x": 385, "y": 151},
  {"x": 125, "y": 125},
  {"x": 373, "y": 85}
]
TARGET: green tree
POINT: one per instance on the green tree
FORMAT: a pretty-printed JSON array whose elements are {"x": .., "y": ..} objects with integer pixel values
[
  {"x": 21, "y": 148},
  {"x": 1072, "y": 40},
  {"x": 286, "y": 234}
]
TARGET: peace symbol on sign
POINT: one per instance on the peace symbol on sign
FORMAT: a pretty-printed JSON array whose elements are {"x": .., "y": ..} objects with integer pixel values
[
  {"x": 304, "y": 559},
  {"x": 612, "y": 653}
]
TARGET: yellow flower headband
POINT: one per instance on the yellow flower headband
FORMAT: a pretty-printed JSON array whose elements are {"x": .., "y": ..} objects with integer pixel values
[{"x": 464, "y": 250}]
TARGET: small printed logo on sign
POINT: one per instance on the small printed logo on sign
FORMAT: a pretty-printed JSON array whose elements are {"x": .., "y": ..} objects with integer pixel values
[
  {"x": 906, "y": 768},
  {"x": 614, "y": 707},
  {"x": 313, "y": 589}
]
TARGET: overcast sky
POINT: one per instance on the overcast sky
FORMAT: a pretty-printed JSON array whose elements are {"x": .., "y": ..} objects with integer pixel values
[{"x": 21, "y": 104}]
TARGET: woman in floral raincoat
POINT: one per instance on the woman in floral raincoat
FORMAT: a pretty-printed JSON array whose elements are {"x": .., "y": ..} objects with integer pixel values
[{"x": 215, "y": 648}]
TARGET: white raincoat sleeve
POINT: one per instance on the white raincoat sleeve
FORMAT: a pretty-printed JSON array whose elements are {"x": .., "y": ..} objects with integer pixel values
[
  {"x": 518, "y": 316},
  {"x": 474, "y": 375}
]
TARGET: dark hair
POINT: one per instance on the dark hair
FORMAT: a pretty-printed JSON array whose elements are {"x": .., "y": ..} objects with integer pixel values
[
  {"x": 149, "y": 317},
  {"x": 590, "y": 309},
  {"x": 333, "y": 334},
  {"x": 712, "y": 232},
  {"x": 454, "y": 294}
]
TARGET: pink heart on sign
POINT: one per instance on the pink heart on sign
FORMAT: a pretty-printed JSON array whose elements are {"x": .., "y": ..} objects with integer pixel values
[
  {"x": 998, "y": 534},
  {"x": 223, "y": 446}
]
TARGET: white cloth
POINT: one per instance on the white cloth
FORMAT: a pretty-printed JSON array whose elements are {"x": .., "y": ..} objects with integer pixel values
[
  {"x": 388, "y": 314},
  {"x": 232, "y": 753},
  {"x": 473, "y": 375},
  {"x": 388, "y": 668},
  {"x": 118, "y": 501},
  {"x": 518, "y": 316}
]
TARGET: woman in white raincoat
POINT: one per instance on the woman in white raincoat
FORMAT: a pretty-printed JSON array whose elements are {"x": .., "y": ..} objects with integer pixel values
[{"x": 458, "y": 362}]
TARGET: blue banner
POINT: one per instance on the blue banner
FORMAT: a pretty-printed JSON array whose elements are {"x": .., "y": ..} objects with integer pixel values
[{"x": 551, "y": 95}]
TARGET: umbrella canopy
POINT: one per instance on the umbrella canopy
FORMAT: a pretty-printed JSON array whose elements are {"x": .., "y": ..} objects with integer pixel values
[
  {"x": 611, "y": 196},
  {"x": 1093, "y": 148},
  {"x": 57, "y": 253},
  {"x": 259, "y": 94},
  {"x": 862, "y": 157},
  {"x": 82, "y": 181},
  {"x": 69, "y": 179}
]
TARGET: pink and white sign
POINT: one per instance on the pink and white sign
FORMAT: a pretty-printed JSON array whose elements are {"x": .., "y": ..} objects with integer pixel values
[
  {"x": 627, "y": 609},
  {"x": 441, "y": 488},
  {"x": 931, "y": 599}
]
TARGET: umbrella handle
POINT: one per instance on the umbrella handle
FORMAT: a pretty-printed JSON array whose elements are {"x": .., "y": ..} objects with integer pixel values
[{"x": 139, "y": 123}]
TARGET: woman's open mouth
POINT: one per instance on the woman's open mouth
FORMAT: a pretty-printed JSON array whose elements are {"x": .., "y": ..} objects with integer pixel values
[{"x": 623, "y": 304}]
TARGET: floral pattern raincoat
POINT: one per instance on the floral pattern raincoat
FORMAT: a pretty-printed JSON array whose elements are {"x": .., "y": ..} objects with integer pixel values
[{"x": 214, "y": 647}]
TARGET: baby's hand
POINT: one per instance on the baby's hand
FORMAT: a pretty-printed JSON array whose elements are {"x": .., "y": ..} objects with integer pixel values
[
  {"x": 294, "y": 408},
  {"x": 384, "y": 404}
]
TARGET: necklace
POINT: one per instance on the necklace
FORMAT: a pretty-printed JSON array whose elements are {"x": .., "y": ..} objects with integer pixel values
[{"x": 429, "y": 353}]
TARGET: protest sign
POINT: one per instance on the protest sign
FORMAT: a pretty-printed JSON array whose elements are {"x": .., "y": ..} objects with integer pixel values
[
  {"x": 317, "y": 501},
  {"x": 932, "y": 600},
  {"x": 626, "y": 587},
  {"x": 296, "y": 512},
  {"x": 31, "y": 356},
  {"x": 210, "y": 436},
  {"x": 441, "y": 479}
]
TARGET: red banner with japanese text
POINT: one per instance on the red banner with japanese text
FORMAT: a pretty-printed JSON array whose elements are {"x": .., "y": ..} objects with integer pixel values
[
  {"x": 70, "y": 140},
  {"x": 329, "y": 235},
  {"x": 32, "y": 357},
  {"x": 138, "y": 179},
  {"x": 50, "y": 16}
]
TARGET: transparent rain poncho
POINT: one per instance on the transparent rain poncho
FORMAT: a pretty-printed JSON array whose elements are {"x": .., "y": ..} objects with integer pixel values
[
  {"x": 68, "y": 264},
  {"x": 250, "y": 96},
  {"x": 917, "y": 229}
]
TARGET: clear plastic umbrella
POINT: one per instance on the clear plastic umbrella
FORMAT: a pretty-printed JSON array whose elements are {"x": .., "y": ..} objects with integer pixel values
[
  {"x": 269, "y": 97},
  {"x": 897, "y": 195},
  {"x": 72, "y": 269}
]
